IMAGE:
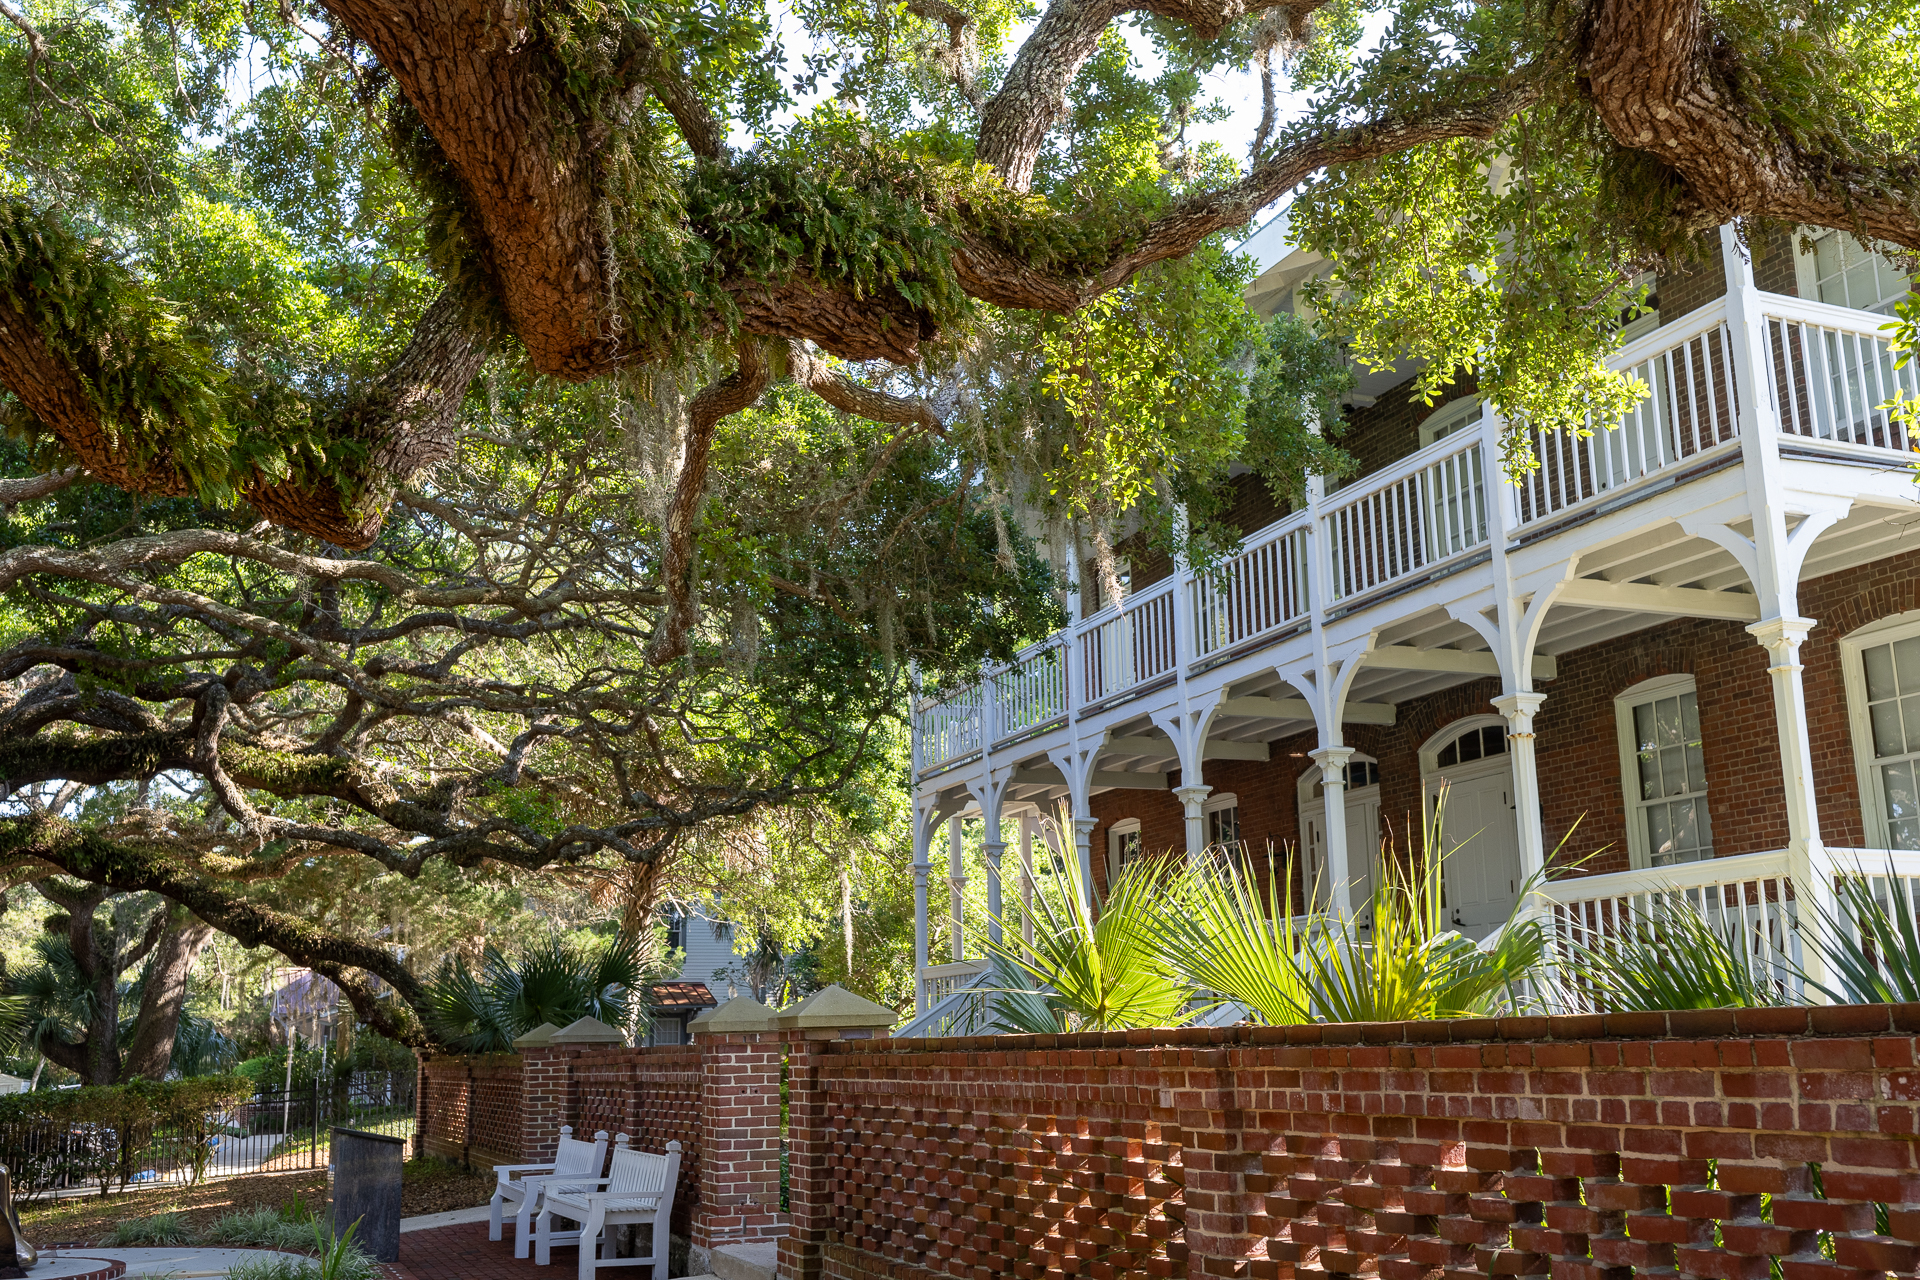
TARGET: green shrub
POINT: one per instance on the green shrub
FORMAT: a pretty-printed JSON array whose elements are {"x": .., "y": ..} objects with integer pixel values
[
  {"x": 263, "y": 1227},
  {"x": 156, "y": 1229},
  {"x": 108, "y": 1134}
]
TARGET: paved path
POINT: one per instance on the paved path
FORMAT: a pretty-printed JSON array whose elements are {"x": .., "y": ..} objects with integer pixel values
[{"x": 463, "y": 1252}]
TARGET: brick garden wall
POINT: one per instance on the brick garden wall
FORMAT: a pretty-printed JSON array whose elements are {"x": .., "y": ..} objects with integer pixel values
[
  {"x": 469, "y": 1109},
  {"x": 1712, "y": 1144}
]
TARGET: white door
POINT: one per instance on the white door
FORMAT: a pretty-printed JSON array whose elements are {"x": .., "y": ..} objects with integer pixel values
[
  {"x": 1363, "y": 844},
  {"x": 1482, "y": 844}
]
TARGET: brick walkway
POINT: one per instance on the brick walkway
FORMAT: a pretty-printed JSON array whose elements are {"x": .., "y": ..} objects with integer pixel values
[{"x": 463, "y": 1252}]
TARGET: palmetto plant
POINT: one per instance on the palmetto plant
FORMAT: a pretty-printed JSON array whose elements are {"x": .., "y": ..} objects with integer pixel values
[
  {"x": 558, "y": 981},
  {"x": 1411, "y": 963},
  {"x": 1231, "y": 938},
  {"x": 1092, "y": 973},
  {"x": 1871, "y": 944},
  {"x": 1672, "y": 957}
]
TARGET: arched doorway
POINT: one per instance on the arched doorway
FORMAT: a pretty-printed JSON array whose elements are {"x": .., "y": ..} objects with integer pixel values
[
  {"x": 1363, "y": 829},
  {"x": 1480, "y": 835}
]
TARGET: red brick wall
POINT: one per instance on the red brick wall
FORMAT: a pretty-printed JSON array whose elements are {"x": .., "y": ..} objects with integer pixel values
[
  {"x": 1591, "y": 1148},
  {"x": 1577, "y": 739},
  {"x": 469, "y": 1109}
]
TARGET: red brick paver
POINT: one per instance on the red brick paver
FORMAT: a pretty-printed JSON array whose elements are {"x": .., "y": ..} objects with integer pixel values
[{"x": 463, "y": 1252}]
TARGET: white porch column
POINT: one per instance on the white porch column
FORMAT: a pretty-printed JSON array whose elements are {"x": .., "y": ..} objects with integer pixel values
[
  {"x": 1782, "y": 638},
  {"x": 1519, "y": 709},
  {"x": 1083, "y": 850},
  {"x": 991, "y": 792},
  {"x": 1333, "y": 782},
  {"x": 956, "y": 885},
  {"x": 923, "y": 824},
  {"x": 1193, "y": 800},
  {"x": 1029, "y": 827}
]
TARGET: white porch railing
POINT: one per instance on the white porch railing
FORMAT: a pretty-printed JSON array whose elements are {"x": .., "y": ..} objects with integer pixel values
[
  {"x": 1262, "y": 589},
  {"x": 1032, "y": 691},
  {"x": 1690, "y": 406},
  {"x": 1120, "y": 648},
  {"x": 1748, "y": 898},
  {"x": 1419, "y": 512},
  {"x": 948, "y": 729},
  {"x": 954, "y": 1001},
  {"x": 1830, "y": 370}
]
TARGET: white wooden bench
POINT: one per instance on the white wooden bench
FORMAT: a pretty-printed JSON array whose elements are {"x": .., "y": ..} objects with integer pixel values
[
  {"x": 521, "y": 1185},
  {"x": 638, "y": 1190}
]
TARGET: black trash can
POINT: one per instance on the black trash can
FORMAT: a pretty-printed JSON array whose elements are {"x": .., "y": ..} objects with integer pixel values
[{"x": 366, "y": 1189}]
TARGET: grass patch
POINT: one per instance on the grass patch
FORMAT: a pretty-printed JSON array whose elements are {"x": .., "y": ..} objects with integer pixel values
[{"x": 155, "y": 1229}]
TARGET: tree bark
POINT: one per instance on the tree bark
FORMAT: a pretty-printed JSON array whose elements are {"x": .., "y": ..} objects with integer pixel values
[
  {"x": 1660, "y": 82},
  {"x": 164, "y": 996}
]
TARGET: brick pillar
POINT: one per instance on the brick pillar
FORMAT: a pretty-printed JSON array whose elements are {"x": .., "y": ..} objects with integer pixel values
[
  {"x": 546, "y": 1100},
  {"x": 808, "y": 1029},
  {"x": 1219, "y": 1235},
  {"x": 740, "y": 1060}
]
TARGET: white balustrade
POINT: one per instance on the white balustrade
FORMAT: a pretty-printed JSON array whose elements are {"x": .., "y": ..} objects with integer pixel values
[
  {"x": 1747, "y": 899},
  {"x": 948, "y": 729},
  {"x": 1033, "y": 690},
  {"x": 1422, "y": 511},
  {"x": 1690, "y": 406},
  {"x": 1120, "y": 648},
  {"x": 1830, "y": 372},
  {"x": 1260, "y": 590}
]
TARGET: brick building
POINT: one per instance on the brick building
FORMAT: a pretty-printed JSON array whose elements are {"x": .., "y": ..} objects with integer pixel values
[{"x": 1690, "y": 639}]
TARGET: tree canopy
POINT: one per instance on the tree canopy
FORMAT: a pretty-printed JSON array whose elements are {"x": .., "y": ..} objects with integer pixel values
[{"x": 460, "y": 434}]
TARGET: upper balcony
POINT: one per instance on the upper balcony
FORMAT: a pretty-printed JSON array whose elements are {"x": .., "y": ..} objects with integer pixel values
[{"x": 1446, "y": 510}]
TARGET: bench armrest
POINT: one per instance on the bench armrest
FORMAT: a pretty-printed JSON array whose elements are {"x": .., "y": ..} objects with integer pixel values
[{"x": 505, "y": 1172}]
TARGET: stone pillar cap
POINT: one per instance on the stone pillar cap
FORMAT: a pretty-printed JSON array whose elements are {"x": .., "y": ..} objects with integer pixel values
[
  {"x": 538, "y": 1038},
  {"x": 587, "y": 1031},
  {"x": 742, "y": 1013},
  {"x": 836, "y": 1008}
]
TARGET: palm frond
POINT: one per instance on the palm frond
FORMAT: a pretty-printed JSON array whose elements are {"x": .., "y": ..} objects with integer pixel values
[
  {"x": 1670, "y": 958},
  {"x": 1871, "y": 943},
  {"x": 1230, "y": 938}
]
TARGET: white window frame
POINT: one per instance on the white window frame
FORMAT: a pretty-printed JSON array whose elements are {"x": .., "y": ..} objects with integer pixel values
[
  {"x": 1215, "y": 804},
  {"x": 1450, "y": 417},
  {"x": 1853, "y": 669},
  {"x": 1116, "y": 837},
  {"x": 1806, "y": 269},
  {"x": 1639, "y": 856}
]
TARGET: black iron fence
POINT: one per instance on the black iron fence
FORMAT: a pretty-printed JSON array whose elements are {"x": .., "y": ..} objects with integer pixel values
[{"x": 277, "y": 1130}]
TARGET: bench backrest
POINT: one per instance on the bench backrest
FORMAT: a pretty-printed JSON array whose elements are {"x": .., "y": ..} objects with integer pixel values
[
  {"x": 646, "y": 1173},
  {"x": 576, "y": 1156}
]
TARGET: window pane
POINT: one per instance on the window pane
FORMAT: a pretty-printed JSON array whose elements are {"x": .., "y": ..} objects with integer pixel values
[
  {"x": 1910, "y": 712},
  {"x": 1659, "y": 830},
  {"x": 1904, "y": 834},
  {"x": 1666, "y": 719},
  {"x": 1879, "y": 664},
  {"x": 1495, "y": 739},
  {"x": 1643, "y": 726},
  {"x": 1649, "y": 775},
  {"x": 1906, "y": 664},
  {"x": 1673, "y": 773},
  {"x": 1897, "y": 779},
  {"x": 1686, "y": 834},
  {"x": 1887, "y": 738},
  {"x": 1689, "y": 717},
  {"x": 1449, "y": 754},
  {"x": 1696, "y": 768},
  {"x": 1469, "y": 747}
]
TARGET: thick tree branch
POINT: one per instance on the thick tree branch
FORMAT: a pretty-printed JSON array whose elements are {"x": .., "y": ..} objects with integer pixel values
[
  {"x": 405, "y": 422},
  {"x": 731, "y": 394},
  {"x": 49, "y": 840},
  {"x": 993, "y": 275},
  {"x": 848, "y": 396},
  {"x": 1659, "y": 82}
]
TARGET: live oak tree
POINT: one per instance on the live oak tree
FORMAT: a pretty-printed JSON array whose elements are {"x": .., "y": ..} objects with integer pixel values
[{"x": 516, "y": 434}]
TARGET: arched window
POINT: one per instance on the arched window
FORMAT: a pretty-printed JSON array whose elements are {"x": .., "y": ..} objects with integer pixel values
[
  {"x": 1663, "y": 773},
  {"x": 1476, "y": 743}
]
